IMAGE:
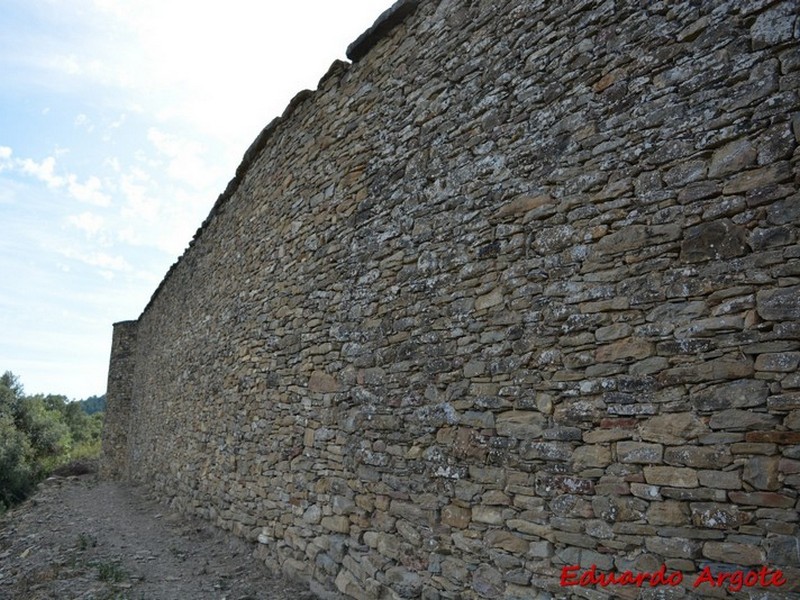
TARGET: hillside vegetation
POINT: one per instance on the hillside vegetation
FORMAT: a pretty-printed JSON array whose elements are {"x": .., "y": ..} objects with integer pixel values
[{"x": 40, "y": 433}]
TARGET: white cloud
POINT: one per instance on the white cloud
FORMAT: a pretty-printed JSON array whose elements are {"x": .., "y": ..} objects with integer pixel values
[
  {"x": 88, "y": 222},
  {"x": 186, "y": 162},
  {"x": 89, "y": 192},
  {"x": 139, "y": 202},
  {"x": 119, "y": 122},
  {"x": 114, "y": 125},
  {"x": 102, "y": 260},
  {"x": 44, "y": 171},
  {"x": 83, "y": 121},
  {"x": 66, "y": 64},
  {"x": 167, "y": 144},
  {"x": 114, "y": 163}
]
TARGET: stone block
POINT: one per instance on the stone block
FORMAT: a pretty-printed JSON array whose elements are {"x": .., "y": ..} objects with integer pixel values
[
  {"x": 696, "y": 494},
  {"x": 773, "y": 26},
  {"x": 573, "y": 540},
  {"x": 732, "y": 157},
  {"x": 455, "y": 570},
  {"x": 735, "y": 419},
  {"x": 762, "y": 473},
  {"x": 733, "y": 553},
  {"x": 698, "y": 456},
  {"x": 784, "y": 402},
  {"x": 312, "y": 514},
  {"x": 522, "y": 424},
  {"x": 540, "y": 549},
  {"x": 770, "y": 237},
  {"x": 715, "y": 515},
  {"x": 507, "y": 541},
  {"x": 768, "y": 499},
  {"x": 474, "y": 368},
  {"x": 773, "y": 437},
  {"x": 757, "y": 178},
  {"x": 640, "y": 452},
  {"x": 488, "y": 582},
  {"x": 792, "y": 420},
  {"x": 710, "y": 327},
  {"x": 672, "y": 476},
  {"x": 525, "y": 526},
  {"x": 766, "y": 449},
  {"x": 692, "y": 533},
  {"x": 783, "y": 550},
  {"x": 625, "y": 349},
  {"x": 725, "y": 480},
  {"x": 714, "y": 370},
  {"x": 698, "y": 191},
  {"x": 405, "y": 583},
  {"x": 618, "y": 509},
  {"x": 548, "y": 485},
  {"x": 668, "y": 512},
  {"x": 338, "y": 524},
  {"x": 521, "y": 205},
  {"x": 779, "y": 304},
  {"x": 489, "y": 515},
  {"x": 478, "y": 474},
  {"x": 673, "y": 547},
  {"x": 647, "y": 492},
  {"x": 410, "y": 511},
  {"x": 591, "y": 456},
  {"x": 347, "y": 584},
  {"x": 493, "y": 298},
  {"x": 323, "y": 382},
  {"x": 744, "y": 393},
  {"x": 456, "y": 516},
  {"x": 613, "y": 332},
  {"x": 714, "y": 240},
  {"x": 675, "y": 428},
  {"x": 550, "y": 451},
  {"x": 780, "y": 362},
  {"x": 789, "y": 466}
]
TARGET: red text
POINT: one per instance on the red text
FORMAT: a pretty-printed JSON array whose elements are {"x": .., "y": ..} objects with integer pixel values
[{"x": 736, "y": 580}]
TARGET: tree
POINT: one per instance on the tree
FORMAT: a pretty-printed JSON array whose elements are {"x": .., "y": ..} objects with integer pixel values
[
  {"x": 39, "y": 433},
  {"x": 16, "y": 456},
  {"x": 94, "y": 404},
  {"x": 41, "y": 419},
  {"x": 10, "y": 393},
  {"x": 17, "y": 477}
]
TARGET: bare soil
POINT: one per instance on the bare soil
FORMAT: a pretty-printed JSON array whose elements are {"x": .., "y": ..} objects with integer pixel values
[{"x": 78, "y": 537}]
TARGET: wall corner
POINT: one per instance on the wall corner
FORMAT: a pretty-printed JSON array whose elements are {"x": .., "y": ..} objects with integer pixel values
[{"x": 114, "y": 456}]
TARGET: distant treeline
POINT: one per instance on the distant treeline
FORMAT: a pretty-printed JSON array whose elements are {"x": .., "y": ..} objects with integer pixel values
[
  {"x": 41, "y": 433},
  {"x": 93, "y": 404}
]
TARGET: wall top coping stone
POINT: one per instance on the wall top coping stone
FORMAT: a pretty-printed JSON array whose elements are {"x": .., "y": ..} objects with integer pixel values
[{"x": 387, "y": 21}]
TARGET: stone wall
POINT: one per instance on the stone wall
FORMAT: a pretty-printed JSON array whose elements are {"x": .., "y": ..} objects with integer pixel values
[
  {"x": 517, "y": 290},
  {"x": 119, "y": 393}
]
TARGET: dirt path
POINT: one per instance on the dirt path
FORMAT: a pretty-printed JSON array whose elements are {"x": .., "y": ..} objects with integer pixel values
[{"x": 80, "y": 538}]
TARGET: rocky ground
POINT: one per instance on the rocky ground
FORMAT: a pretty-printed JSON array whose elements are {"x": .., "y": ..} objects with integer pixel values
[{"x": 95, "y": 540}]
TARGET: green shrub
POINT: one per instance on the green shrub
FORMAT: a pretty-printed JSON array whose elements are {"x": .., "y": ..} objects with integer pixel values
[
  {"x": 39, "y": 434},
  {"x": 17, "y": 473}
]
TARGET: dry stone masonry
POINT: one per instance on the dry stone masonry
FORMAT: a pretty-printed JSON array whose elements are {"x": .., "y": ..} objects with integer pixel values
[{"x": 510, "y": 302}]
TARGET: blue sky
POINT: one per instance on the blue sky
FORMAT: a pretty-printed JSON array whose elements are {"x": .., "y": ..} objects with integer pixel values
[{"x": 121, "y": 121}]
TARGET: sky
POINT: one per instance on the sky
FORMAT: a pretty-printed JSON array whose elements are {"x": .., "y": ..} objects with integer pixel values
[{"x": 121, "y": 122}]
